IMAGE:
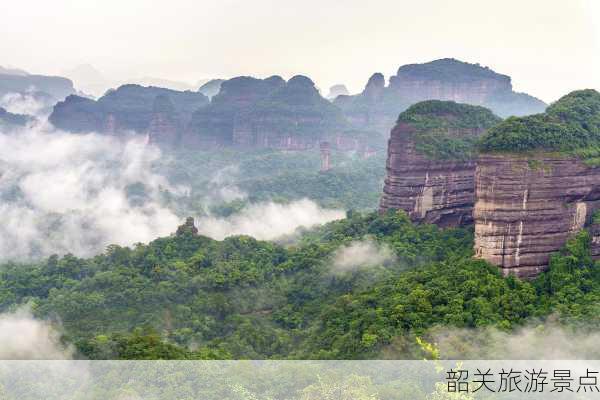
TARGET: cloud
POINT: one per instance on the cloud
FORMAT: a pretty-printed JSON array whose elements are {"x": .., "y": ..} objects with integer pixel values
[
  {"x": 24, "y": 103},
  {"x": 62, "y": 192},
  {"x": 267, "y": 221},
  {"x": 548, "y": 340},
  {"x": 361, "y": 254},
  {"x": 23, "y": 337},
  {"x": 223, "y": 188}
]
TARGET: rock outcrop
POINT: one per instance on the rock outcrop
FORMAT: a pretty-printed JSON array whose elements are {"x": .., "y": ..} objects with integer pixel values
[
  {"x": 528, "y": 206},
  {"x": 266, "y": 113},
  {"x": 367, "y": 111},
  {"x": 376, "y": 108},
  {"x": 214, "y": 124},
  {"x": 144, "y": 110},
  {"x": 537, "y": 183},
  {"x": 165, "y": 123},
  {"x": 431, "y": 164}
]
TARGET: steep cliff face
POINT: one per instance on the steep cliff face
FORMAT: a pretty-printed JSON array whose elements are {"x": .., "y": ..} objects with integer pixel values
[
  {"x": 165, "y": 123},
  {"x": 130, "y": 108},
  {"x": 294, "y": 117},
  {"x": 528, "y": 206},
  {"x": 271, "y": 113},
  {"x": 214, "y": 124},
  {"x": 377, "y": 107},
  {"x": 537, "y": 183},
  {"x": 367, "y": 111},
  {"x": 448, "y": 79},
  {"x": 430, "y": 165}
]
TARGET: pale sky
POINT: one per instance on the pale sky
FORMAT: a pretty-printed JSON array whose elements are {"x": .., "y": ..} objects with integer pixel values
[{"x": 549, "y": 47}]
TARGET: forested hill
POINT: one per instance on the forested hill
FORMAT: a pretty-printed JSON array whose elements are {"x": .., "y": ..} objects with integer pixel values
[{"x": 363, "y": 287}]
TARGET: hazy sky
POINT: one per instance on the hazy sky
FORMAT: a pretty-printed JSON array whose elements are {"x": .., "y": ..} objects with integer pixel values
[{"x": 549, "y": 47}]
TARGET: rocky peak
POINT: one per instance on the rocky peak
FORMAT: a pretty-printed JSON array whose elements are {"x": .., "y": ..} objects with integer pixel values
[
  {"x": 376, "y": 108},
  {"x": 128, "y": 108},
  {"x": 242, "y": 91},
  {"x": 375, "y": 85},
  {"x": 188, "y": 228},
  {"x": 431, "y": 165},
  {"x": 449, "y": 70},
  {"x": 538, "y": 182}
]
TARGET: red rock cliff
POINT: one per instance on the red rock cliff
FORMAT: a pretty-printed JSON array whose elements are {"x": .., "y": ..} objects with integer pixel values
[
  {"x": 527, "y": 207},
  {"x": 439, "y": 192},
  {"x": 434, "y": 188}
]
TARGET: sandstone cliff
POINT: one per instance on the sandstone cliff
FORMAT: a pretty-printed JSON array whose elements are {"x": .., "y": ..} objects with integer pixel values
[
  {"x": 537, "y": 182},
  {"x": 528, "y": 206},
  {"x": 377, "y": 107},
  {"x": 214, "y": 124},
  {"x": 271, "y": 113},
  {"x": 130, "y": 108},
  {"x": 431, "y": 165}
]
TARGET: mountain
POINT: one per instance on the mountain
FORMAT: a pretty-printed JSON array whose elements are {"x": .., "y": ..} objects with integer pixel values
[
  {"x": 52, "y": 88},
  {"x": 431, "y": 161},
  {"x": 266, "y": 113},
  {"x": 538, "y": 183},
  {"x": 377, "y": 107},
  {"x": 130, "y": 108}
]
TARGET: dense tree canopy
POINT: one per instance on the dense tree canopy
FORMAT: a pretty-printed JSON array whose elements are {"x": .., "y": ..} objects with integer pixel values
[
  {"x": 187, "y": 296},
  {"x": 570, "y": 124}
]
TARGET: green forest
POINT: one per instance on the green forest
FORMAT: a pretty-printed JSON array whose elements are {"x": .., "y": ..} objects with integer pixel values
[
  {"x": 569, "y": 125},
  {"x": 353, "y": 182},
  {"x": 190, "y": 297}
]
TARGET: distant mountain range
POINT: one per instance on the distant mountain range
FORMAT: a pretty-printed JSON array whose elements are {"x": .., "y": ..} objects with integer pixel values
[
  {"x": 45, "y": 91},
  {"x": 272, "y": 112},
  {"x": 378, "y": 106}
]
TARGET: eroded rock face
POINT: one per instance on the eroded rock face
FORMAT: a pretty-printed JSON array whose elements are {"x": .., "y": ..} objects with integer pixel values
[
  {"x": 440, "y": 192},
  {"x": 269, "y": 113},
  {"x": 376, "y": 108},
  {"x": 368, "y": 110},
  {"x": 214, "y": 125},
  {"x": 144, "y": 110},
  {"x": 426, "y": 178},
  {"x": 528, "y": 206}
]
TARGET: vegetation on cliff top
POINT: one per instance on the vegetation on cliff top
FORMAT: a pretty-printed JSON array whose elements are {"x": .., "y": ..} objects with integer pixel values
[
  {"x": 447, "y": 130},
  {"x": 449, "y": 70},
  {"x": 570, "y": 125}
]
